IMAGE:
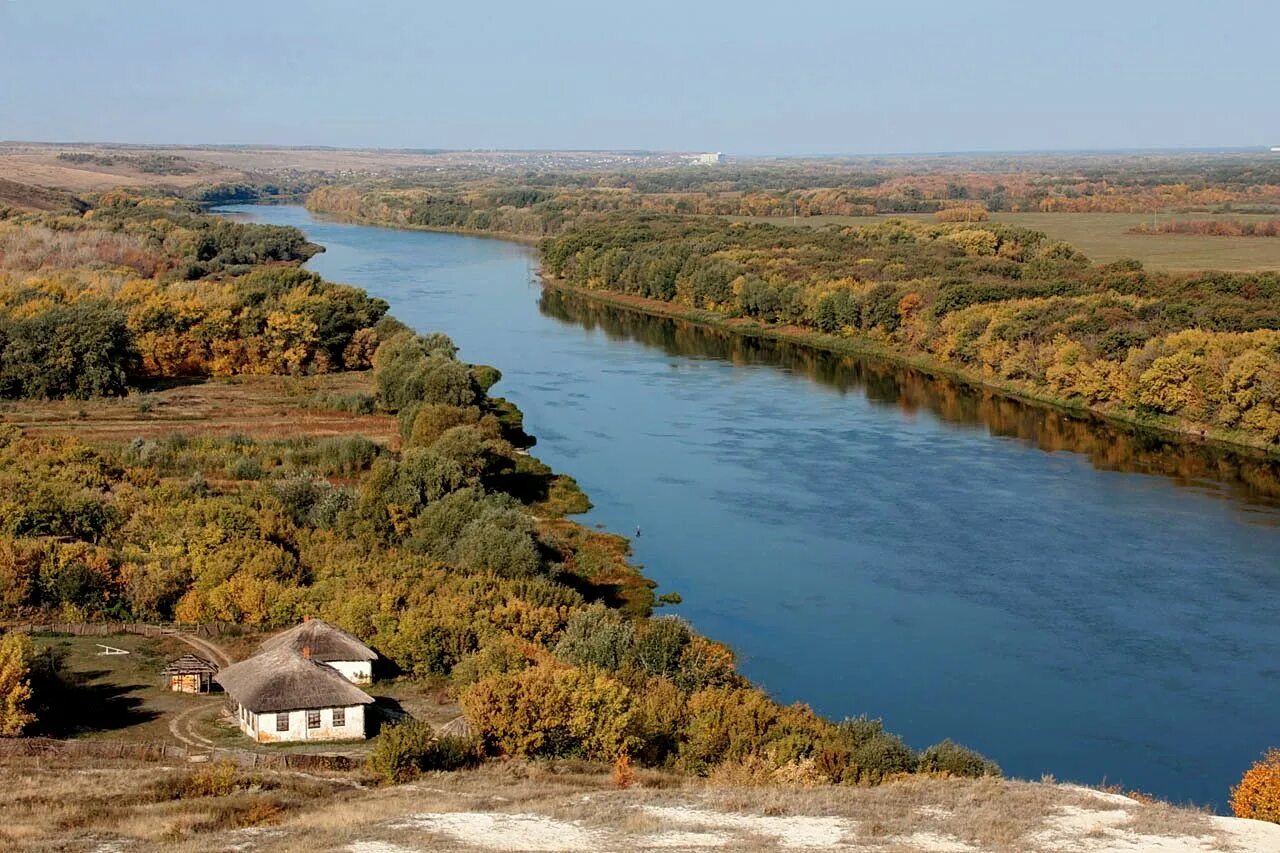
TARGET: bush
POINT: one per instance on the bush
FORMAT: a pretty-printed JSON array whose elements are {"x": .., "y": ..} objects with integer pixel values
[
  {"x": 432, "y": 420},
  {"x": 553, "y": 712},
  {"x": 596, "y": 636},
  {"x": 1258, "y": 794},
  {"x": 953, "y": 759},
  {"x": 219, "y": 779},
  {"x": 409, "y": 748},
  {"x": 244, "y": 468},
  {"x": 396, "y": 753},
  {"x": 864, "y": 753}
]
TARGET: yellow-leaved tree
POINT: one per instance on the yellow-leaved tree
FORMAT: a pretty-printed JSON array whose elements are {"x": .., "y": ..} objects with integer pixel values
[
  {"x": 15, "y": 684},
  {"x": 1258, "y": 794}
]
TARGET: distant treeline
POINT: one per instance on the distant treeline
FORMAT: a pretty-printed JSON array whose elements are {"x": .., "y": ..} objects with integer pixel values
[
  {"x": 544, "y": 203},
  {"x": 153, "y": 164}
]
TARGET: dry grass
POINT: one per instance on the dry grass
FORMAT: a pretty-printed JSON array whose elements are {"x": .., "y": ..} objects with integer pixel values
[
  {"x": 262, "y": 407},
  {"x": 59, "y": 806}
]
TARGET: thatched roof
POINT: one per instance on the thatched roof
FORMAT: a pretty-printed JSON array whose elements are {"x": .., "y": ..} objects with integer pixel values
[
  {"x": 189, "y": 665},
  {"x": 327, "y": 642},
  {"x": 279, "y": 680}
]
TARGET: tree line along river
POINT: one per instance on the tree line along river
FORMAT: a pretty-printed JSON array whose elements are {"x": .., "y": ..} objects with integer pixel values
[{"x": 1066, "y": 596}]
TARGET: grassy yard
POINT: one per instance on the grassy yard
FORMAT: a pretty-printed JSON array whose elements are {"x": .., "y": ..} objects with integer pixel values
[
  {"x": 124, "y": 697},
  {"x": 114, "y": 697},
  {"x": 1104, "y": 237}
]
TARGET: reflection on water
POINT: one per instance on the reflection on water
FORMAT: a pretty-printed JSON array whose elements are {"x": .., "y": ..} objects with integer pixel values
[{"x": 1252, "y": 480}]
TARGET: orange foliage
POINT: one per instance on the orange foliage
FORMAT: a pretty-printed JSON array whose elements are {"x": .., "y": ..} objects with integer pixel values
[{"x": 1258, "y": 794}]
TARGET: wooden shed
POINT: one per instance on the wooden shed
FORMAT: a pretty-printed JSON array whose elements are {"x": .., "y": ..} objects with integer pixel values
[{"x": 190, "y": 674}]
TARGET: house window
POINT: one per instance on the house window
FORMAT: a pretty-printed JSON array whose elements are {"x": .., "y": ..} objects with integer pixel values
[
  {"x": 282, "y": 722},
  {"x": 339, "y": 716},
  {"x": 313, "y": 719}
]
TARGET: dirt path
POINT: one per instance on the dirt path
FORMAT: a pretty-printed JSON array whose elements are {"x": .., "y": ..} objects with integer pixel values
[
  {"x": 212, "y": 651},
  {"x": 181, "y": 727}
]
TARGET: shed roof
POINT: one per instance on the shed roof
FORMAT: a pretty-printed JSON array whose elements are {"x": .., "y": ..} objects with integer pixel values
[
  {"x": 326, "y": 641},
  {"x": 279, "y": 680},
  {"x": 189, "y": 665}
]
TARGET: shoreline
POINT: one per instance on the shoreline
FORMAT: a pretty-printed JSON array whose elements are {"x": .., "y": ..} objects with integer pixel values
[
  {"x": 355, "y": 219},
  {"x": 861, "y": 347}
]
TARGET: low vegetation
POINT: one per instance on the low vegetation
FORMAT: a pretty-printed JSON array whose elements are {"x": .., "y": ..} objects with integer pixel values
[{"x": 1213, "y": 227}]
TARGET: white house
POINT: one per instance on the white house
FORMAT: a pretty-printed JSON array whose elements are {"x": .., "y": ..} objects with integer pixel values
[
  {"x": 282, "y": 696},
  {"x": 330, "y": 645}
]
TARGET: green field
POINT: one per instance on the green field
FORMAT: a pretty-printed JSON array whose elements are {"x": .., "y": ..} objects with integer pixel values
[
  {"x": 1104, "y": 237},
  {"x": 118, "y": 697}
]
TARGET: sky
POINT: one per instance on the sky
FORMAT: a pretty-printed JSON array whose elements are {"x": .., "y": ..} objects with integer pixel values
[{"x": 792, "y": 78}]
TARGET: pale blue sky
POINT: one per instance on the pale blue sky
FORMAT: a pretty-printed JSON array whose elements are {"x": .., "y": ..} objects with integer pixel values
[{"x": 745, "y": 77}]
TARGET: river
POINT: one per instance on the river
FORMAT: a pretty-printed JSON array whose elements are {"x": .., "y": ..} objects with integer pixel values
[{"x": 1067, "y": 597}]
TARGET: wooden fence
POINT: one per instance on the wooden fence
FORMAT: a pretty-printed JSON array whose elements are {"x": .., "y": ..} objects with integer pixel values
[
  {"x": 208, "y": 631},
  {"x": 160, "y": 751}
]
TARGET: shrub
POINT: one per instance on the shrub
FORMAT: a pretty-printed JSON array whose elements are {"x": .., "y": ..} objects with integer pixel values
[
  {"x": 862, "y": 752},
  {"x": 725, "y": 724},
  {"x": 407, "y": 749},
  {"x": 432, "y": 420},
  {"x": 218, "y": 779},
  {"x": 1258, "y": 794},
  {"x": 953, "y": 759},
  {"x": 244, "y": 468},
  {"x": 551, "y": 711},
  {"x": 598, "y": 637}
]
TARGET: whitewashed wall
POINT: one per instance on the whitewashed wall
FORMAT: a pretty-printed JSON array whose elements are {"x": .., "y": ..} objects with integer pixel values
[
  {"x": 355, "y": 671},
  {"x": 262, "y": 727}
]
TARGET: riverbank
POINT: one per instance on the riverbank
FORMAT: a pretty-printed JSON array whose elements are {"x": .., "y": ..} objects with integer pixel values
[
  {"x": 1239, "y": 434},
  {"x": 862, "y": 347},
  {"x": 375, "y": 222}
]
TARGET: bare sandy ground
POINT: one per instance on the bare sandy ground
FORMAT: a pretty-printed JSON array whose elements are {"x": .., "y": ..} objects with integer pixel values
[{"x": 913, "y": 816}]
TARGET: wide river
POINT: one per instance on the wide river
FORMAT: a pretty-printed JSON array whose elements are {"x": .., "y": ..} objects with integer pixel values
[{"x": 1066, "y": 597}]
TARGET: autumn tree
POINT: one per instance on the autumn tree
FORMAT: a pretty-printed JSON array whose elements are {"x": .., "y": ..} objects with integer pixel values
[
  {"x": 1258, "y": 794},
  {"x": 15, "y": 684}
]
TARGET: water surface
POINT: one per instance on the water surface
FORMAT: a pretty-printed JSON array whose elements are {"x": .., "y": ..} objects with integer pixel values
[{"x": 1067, "y": 597}]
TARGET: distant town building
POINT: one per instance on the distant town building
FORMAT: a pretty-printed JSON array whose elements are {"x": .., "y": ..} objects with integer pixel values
[
  {"x": 328, "y": 644},
  {"x": 190, "y": 674},
  {"x": 714, "y": 159},
  {"x": 1275, "y": 149},
  {"x": 279, "y": 696}
]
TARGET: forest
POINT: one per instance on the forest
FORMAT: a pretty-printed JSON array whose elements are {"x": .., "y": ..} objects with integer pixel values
[
  {"x": 139, "y": 289},
  {"x": 448, "y": 553}
]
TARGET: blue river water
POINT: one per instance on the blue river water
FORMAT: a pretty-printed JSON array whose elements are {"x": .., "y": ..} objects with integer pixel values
[{"x": 1067, "y": 597}]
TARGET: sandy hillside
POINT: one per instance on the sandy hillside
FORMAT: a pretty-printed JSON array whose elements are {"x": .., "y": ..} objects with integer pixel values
[{"x": 52, "y": 803}]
